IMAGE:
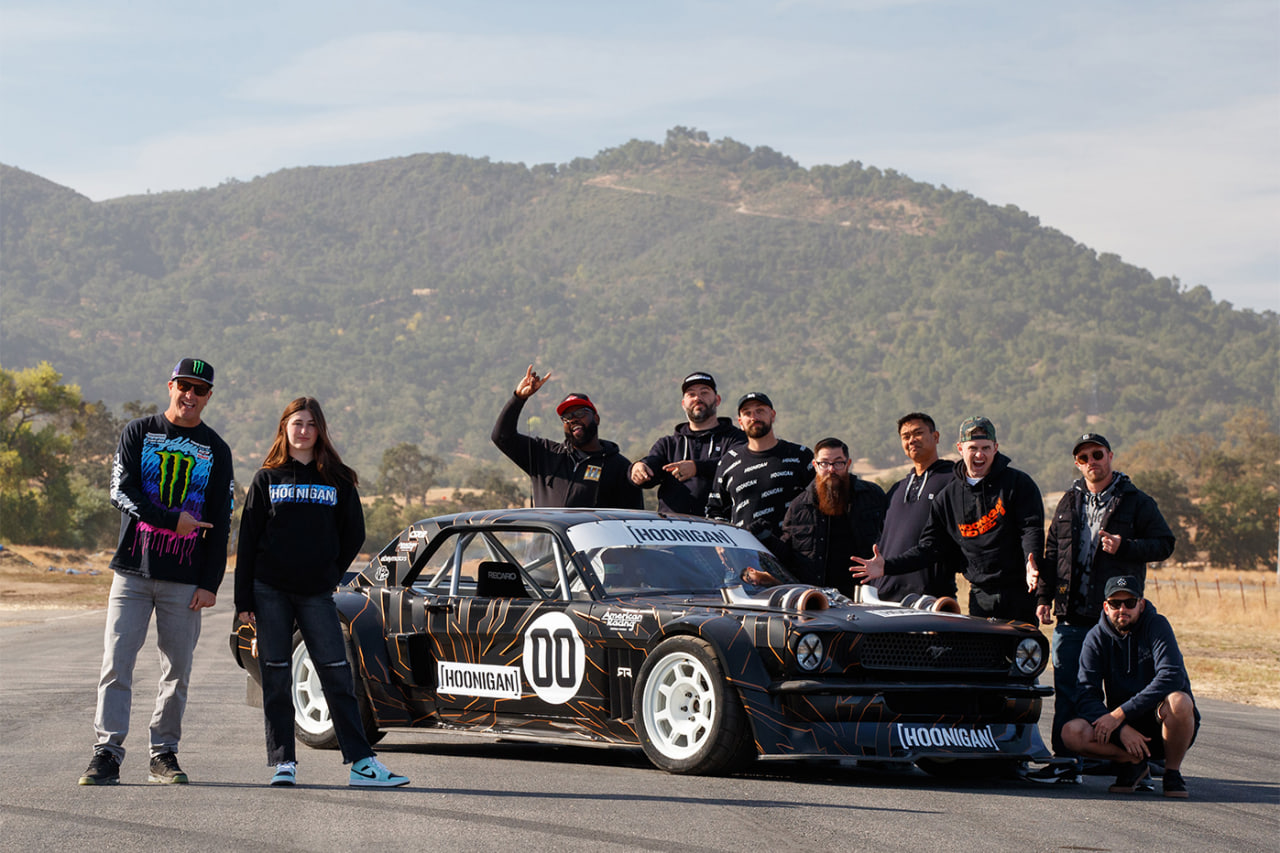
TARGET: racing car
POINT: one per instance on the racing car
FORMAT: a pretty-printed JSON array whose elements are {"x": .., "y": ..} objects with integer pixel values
[{"x": 682, "y": 636}]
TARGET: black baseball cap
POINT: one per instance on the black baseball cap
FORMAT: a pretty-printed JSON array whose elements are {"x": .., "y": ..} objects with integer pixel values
[
  {"x": 1090, "y": 438},
  {"x": 193, "y": 368},
  {"x": 1123, "y": 583},
  {"x": 754, "y": 397},
  {"x": 700, "y": 377}
]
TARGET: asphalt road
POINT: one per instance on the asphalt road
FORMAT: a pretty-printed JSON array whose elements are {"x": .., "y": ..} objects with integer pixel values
[{"x": 478, "y": 794}]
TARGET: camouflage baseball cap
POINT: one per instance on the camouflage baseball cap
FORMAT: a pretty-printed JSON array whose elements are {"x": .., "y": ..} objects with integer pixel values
[{"x": 975, "y": 428}]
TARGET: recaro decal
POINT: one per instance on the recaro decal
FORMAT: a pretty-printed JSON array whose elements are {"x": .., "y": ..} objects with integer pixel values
[{"x": 554, "y": 658}]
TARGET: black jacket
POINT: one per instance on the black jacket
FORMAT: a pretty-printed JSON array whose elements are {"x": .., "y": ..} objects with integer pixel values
[
  {"x": 704, "y": 447},
  {"x": 807, "y": 533},
  {"x": 298, "y": 533},
  {"x": 562, "y": 475},
  {"x": 1144, "y": 538},
  {"x": 996, "y": 523},
  {"x": 1134, "y": 671}
]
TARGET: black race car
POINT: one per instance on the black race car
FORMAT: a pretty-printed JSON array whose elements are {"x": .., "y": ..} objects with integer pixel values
[{"x": 680, "y": 635}]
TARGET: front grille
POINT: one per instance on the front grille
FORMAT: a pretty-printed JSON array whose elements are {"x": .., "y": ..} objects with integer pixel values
[{"x": 936, "y": 651}]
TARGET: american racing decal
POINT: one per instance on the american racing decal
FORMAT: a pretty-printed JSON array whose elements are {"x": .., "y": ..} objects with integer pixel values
[
  {"x": 554, "y": 658},
  {"x": 961, "y": 737},
  {"x": 621, "y": 620},
  {"x": 475, "y": 679}
]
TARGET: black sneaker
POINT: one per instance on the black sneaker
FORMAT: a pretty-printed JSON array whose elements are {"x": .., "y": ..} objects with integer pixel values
[
  {"x": 1054, "y": 774},
  {"x": 103, "y": 769},
  {"x": 1130, "y": 776},
  {"x": 165, "y": 770},
  {"x": 1174, "y": 785}
]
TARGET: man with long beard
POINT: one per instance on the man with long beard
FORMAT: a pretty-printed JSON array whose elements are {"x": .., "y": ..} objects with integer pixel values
[
  {"x": 582, "y": 471},
  {"x": 835, "y": 517},
  {"x": 682, "y": 464},
  {"x": 755, "y": 482}
]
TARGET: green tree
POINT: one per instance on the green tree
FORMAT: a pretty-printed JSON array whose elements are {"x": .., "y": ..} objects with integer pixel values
[
  {"x": 408, "y": 472},
  {"x": 37, "y": 426}
]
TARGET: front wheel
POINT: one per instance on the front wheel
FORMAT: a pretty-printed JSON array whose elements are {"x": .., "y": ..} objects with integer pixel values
[
  {"x": 311, "y": 722},
  {"x": 688, "y": 718}
]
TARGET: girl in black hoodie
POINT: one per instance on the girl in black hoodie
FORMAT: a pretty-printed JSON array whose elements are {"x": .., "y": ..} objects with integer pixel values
[{"x": 302, "y": 526}]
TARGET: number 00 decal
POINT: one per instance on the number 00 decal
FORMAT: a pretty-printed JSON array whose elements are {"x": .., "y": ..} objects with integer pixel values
[{"x": 554, "y": 658}]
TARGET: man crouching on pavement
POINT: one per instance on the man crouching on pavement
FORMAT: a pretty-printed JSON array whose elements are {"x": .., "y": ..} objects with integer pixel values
[{"x": 1131, "y": 656}]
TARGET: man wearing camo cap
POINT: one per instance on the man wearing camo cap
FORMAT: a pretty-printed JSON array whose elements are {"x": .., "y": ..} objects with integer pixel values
[{"x": 995, "y": 514}]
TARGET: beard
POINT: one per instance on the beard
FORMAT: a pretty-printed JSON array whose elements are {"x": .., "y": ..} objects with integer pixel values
[
  {"x": 700, "y": 413},
  {"x": 758, "y": 429},
  {"x": 589, "y": 433},
  {"x": 833, "y": 493}
]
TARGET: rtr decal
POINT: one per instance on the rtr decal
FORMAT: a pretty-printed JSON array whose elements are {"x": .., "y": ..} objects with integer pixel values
[{"x": 554, "y": 658}]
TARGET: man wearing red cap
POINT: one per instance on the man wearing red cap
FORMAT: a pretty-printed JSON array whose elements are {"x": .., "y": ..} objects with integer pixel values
[{"x": 582, "y": 470}]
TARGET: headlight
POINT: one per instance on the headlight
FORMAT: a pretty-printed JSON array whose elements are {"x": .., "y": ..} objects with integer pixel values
[
  {"x": 809, "y": 652},
  {"x": 1028, "y": 657}
]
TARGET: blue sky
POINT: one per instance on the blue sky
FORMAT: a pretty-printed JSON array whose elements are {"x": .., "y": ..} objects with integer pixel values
[{"x": 1147, "y": 129}]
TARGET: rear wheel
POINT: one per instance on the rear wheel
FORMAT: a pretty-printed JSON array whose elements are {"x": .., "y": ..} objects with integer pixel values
[
  {"x": 311, "y": 722},
  {"x": 688, "y": 718}
]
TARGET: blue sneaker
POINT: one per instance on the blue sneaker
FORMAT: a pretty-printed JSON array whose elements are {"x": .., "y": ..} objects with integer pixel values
[
  {"x": 286, "y": 774},
  {"x": 370, "y": 773}
]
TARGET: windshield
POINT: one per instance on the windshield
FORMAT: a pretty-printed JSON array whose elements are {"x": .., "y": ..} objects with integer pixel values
[{"x": 668, "y": 555}]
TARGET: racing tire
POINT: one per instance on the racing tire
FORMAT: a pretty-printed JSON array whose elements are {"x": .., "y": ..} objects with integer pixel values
[
  {"x": 688, "y": 718},
  {"x": 311, "y": 722}
]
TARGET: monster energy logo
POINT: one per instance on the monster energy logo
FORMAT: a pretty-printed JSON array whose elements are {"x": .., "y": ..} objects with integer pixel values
[
  {"x": 197, "y": 367},
  {"x": 175, "y": 477}
]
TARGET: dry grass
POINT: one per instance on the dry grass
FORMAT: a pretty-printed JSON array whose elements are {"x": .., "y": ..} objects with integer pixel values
[
  {"x": 1227, "y": 623},
  {"x": 1228, "y": 628}
]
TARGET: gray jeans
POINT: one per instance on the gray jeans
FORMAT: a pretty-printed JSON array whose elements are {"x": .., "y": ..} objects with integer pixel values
[{"x": 129, "y": 609}]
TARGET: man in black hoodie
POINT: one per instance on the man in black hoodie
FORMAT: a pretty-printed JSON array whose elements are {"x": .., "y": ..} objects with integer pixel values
[
  {"x": 995, "y": 514},
  {"x": 1104, "y": 527},
  {"x": 682, "y": 464},
  {"x": 909, "y": 502},
  {"x": 583, "y": 471},
  {"x": 1135, "y": 699}
]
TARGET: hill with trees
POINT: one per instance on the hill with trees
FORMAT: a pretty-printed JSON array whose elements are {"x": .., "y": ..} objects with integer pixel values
[{"x": 409, "y": 295}]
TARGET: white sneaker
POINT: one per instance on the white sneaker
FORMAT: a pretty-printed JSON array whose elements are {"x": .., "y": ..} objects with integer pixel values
[{"x": 370, "y": 773}]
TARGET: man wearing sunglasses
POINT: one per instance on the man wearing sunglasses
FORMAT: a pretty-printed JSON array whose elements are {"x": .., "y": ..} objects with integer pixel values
[
  {"x": 172, "y": 482},
  {"x": 1134, "y": 696},
  {"x": 581, "y": 471},
  {"x": 1104, "y": 527}
]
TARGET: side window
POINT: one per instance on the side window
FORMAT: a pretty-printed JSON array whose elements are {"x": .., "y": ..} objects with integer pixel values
[{"x": 436, "y": 577}]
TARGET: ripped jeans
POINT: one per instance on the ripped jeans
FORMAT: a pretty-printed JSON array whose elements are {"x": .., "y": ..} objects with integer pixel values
[{"x": 316, "y": 617}]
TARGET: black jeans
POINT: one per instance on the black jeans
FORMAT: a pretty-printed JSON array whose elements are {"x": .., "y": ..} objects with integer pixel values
[{"x": 317, "y": 618}]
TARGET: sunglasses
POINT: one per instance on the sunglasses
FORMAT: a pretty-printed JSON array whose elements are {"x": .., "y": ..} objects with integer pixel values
[
  {"x": 1117, "y": 603},
  {"x": 1095, "y": 455},
  {"x": 184, "y": 386},
  {"x": 580, "y": 414}
]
